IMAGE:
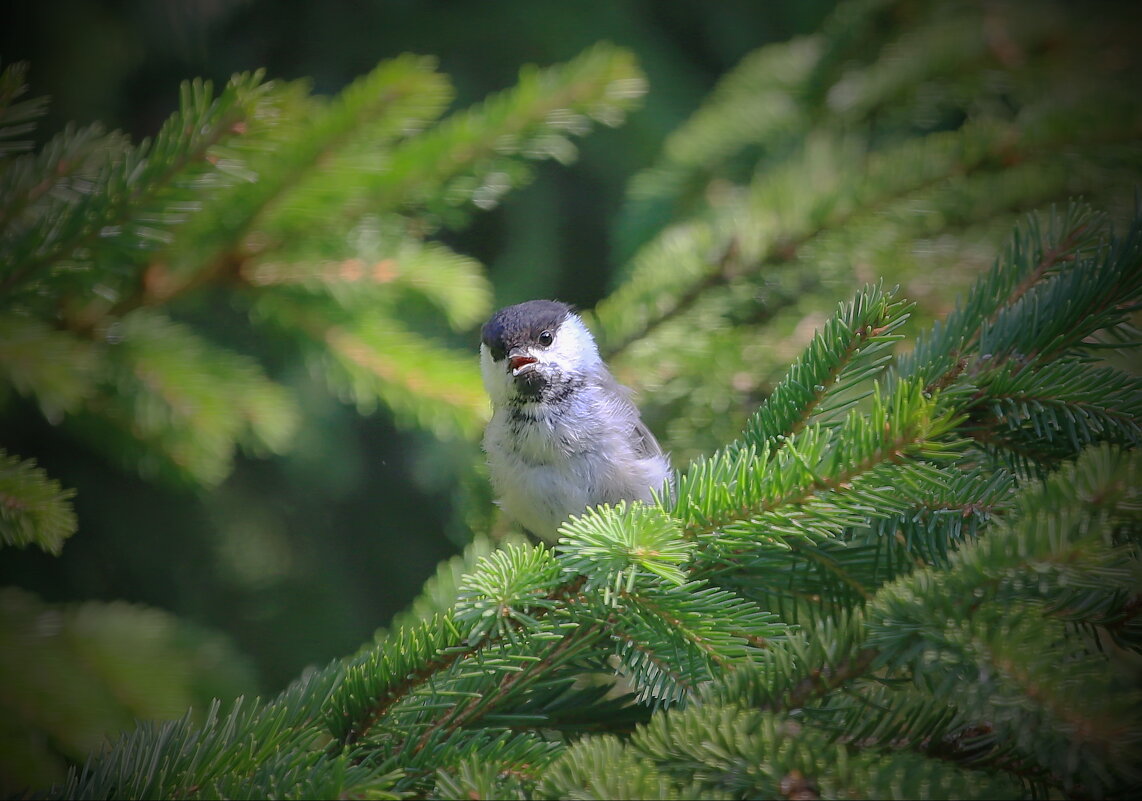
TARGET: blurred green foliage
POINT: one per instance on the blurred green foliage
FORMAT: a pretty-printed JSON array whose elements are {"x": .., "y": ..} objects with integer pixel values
[
  {"x": 766, "y": 185},
  {"x": 286, "y": 555},
  {"x": 64, "y": 678}
]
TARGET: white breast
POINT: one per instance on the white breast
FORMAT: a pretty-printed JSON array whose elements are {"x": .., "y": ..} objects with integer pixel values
[{"x": 545, "y": 467}]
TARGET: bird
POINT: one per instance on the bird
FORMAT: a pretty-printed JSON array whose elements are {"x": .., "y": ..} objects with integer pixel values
[{"x": 564, "y": 435}]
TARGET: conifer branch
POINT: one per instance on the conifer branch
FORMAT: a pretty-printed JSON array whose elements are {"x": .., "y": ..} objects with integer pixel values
[
  {"x": 823, "y": 680},
  {"x": 1056, "y": 253},
  {"x": 977, "y": 148},
  {"x": 394, "y": 693},
  {"x": 726, "y": 267},
  {"x": 953, "y": 347},
  {"x": 578, "y": 639},
  {"x": 33, "y": 508},
  {"x": 853, "y": 597},
  {"x": 66, "y": 159},
  {"x": 144, "y": 174},
  {"x": 850, "y": 347},
  {"x": 672, "y": 620},
  {"x": 350, "y": 726},
  {"x": 895, "y": 450}
]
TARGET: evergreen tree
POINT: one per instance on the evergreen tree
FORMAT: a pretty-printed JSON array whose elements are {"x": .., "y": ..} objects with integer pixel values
[
  {"x": 314, "y": 216},
  {"x": 910, "y": 570}
]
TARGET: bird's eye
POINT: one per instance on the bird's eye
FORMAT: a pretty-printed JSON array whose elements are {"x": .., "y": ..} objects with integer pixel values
[{"x": 546, "y": 338}]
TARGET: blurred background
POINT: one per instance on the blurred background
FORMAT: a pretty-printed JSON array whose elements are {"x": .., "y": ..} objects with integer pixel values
[
  {"x": 294, "y": 560},
  {"x": 287, "y": 556}
]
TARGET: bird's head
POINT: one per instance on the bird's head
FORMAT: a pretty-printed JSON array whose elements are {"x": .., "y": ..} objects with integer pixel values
[{"x": 530, "y": 350}]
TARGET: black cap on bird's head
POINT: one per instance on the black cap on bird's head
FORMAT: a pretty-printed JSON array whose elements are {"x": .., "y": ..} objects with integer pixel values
[
  {"x": 523, "y": 325},
  {"x": 515, "y": 331}
]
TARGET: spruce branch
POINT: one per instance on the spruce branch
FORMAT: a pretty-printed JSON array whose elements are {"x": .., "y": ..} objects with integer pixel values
[
  {"x": 132, "y": 201},
  {"x": 472, "y": 158},
  {"x": 377, "y": 680},
  {"x": 391, "y": 673},
  {"x": 34, "y": 509},
  {"x": 822, "y": 681},
  {"x": 1017, "y": 150},
  {"x": 255, "y": 748},
  {"x": 729, "y": 264},
  {"x": 856, "y": 184},
  {"x": 65, "y": 165},
  {"x": 977, "y": 612},
  {"x": 616, "y": 545},
  {"x": 235, "y": 193},
  {"x": 937, "y": 521},
  {"x": 513, "y": 683},
  {"x": 671, "y": 593},
  {"x": 389, "y": 266},
  {"x": 1032, "y": 254},
  {"x": 671, "y": 640},
  {"x": 849, "y": 350},
  {"x": 1067, "y": 400},
  {"x": 672, "y": 596},
  {"x": 178, "y": 405},
  {"x": 17, "y": 117},
  {"x": 505, "y": 592},
  {"x": 851, "y": 598},
  {"x": 441, "y": 590},
  {"x": 57, "y": 368},
  {"x": 817, "y": 464},
  {"x": 376, "y": 358},
  {"x": 354, "y": 131}
]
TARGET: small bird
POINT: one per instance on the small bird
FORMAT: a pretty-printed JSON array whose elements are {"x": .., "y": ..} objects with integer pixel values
[{"x": 564, "y": 434}]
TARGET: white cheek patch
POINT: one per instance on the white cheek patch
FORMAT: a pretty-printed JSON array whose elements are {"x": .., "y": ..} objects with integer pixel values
[
  {"x": 574, "y": 348},
  {"x": 497, "y": 383},
  {"x": 573, "y": 351}
]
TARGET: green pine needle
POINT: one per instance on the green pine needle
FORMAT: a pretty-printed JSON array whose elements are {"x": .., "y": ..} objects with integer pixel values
[{"x": 34, "y": 509}]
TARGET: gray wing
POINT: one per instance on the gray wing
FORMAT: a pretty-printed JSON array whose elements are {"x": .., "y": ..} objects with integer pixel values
[
  {"x": 643, "y": 444},
  {"x": 646, "y": 448},
  {"x": 643, "y": 441}
]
